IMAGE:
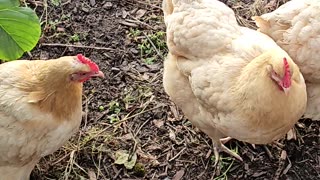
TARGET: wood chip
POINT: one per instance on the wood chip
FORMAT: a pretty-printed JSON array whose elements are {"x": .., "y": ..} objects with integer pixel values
[
  {"x": 158, "y": 123},
  {"x": 140, "y": 13},
  {"x": 172, "y": 135},
  {"x": 292, "y": 134},
  {"x": 178, "y": 175},
  {"x": 92, "y": 175},
  {"x": 128, "y": 24},
  {"x": 92, "y": 2}
]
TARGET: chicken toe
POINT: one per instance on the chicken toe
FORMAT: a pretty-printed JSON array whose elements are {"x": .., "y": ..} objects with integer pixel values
[
  {"x": 218, "y": 147},
  {"x": 225, "y": 140}
]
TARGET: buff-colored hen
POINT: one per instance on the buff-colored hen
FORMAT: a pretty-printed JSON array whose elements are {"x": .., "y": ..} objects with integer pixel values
[
  {"x": 295, "y": 27},
  {"x": 40, "y": 108},
  {"x": 227, "y": 79}
]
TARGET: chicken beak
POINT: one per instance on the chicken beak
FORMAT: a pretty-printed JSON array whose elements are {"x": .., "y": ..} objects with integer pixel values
[
  {"x": 286, "y": 91},
  {"x": 98, "y": 74}
]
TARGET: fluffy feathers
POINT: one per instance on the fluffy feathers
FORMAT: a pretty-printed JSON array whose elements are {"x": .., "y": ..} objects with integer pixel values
[
  {"x": 219, "y": 74},
  {"x": 40, "y": 108},
  {"x": 295, "y": 26}
]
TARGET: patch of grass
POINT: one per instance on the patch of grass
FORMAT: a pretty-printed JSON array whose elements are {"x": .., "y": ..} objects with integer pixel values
[
  {"x": 135, "y": 95},
  {"x": 134, "y": 33},
  {"x": 75, "y": 38},
  {"x": 53, "y": 24},
  {"x": 152, "y": 47}
]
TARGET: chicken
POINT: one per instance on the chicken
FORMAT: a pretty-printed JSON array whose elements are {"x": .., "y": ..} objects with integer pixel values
[
  {"x": 40, "y": 108},
  {"x": 295, "y": 26},
  {"x": 229, "y": 81}
]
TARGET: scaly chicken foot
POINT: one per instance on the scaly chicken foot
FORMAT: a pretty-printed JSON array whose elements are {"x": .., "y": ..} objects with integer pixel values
[
  {"x": 218, "y": 147},
  {"x": 227, "y": 139}
]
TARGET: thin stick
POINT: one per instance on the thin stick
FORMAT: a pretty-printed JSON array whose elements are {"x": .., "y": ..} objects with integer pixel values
[
  {"x": 177, "y": 154},
  {"x": 154, "y": 46},
  {"x": 79, "y": 46},
  {"x": 140, "y": 2}
]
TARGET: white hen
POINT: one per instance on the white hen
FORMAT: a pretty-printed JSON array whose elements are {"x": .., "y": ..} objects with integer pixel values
[
  {"x": 295, "y": 26},
  {"x": 227, "y": 79}
]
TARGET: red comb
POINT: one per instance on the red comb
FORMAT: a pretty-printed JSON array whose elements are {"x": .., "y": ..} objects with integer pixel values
[
  {"x": 287, "y": 74},
  {"x": 93, "y": 66}
]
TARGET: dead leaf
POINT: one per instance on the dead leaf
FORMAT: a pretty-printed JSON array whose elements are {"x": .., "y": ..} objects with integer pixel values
[
  {"x": 147, "y": 158},
  {"x": 175, "y": 113},
  {"x": 153, "y": 147},
  {"x": 92, "y": 175},
  {"x": 258, "y": 174},
  {"x": 178, "y": 175},
  {"x": 301, "y": 125},
  {"x": 92, "y": 2},
  {"x": 107, "y": 5},
  {"x": 60, "y": 29},
  {"x": 145, "y": 76},
  {"x": 158, "y": 123},
  {"x": 126, "y": 137},
  {"x": 291, "y": 134},
  {"x": 124, "y": 13},
  {"x": 283, "y": 155},
  {"x": 140, "y": 13},
  {"x": 272, "y": 4},
  {"x": 172, "y": 135}
]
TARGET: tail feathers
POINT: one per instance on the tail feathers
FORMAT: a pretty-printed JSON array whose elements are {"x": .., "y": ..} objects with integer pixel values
[
  {"x": 167, "y": 7},
  {"x": 263, "y": 25}
]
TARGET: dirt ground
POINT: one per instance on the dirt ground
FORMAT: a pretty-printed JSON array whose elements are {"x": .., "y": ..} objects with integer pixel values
[{"x": 129, "y": 114}]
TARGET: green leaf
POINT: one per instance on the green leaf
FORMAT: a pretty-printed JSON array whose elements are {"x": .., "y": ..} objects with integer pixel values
[
  {"x": 19, "y": 30},
  {"x": 130, "y": 163},
  {"x": 9, "y": 3},
  {"x": 122, "y": 157}
]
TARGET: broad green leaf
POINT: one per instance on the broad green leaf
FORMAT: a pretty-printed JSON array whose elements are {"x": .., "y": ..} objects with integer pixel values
[
  {"x": 19, "y": 31},
  {"x": 122, "y": 157},
  {"x": 130, "y": 163},
  {"x": 9, "y": 3}
]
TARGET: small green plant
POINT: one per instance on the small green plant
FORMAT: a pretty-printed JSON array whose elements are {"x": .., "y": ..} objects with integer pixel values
[
  {"x": 149, "y": 60},
  {"x": 19, "y": 29},
  {"x": 113, "y": 118},
  {"x": 226, "y": 164},
  {"x": 115, "y": 109},
  {"x": 56, "y": 2},
  {"x": 75, "y": 38},
  {"x": 152, "y": 46},
  {"x": 134, "y": 33},
  {"x": 158, "y": 39},
  {"x": 101, "y": 108},
  {"x": 53, "y": 24}
]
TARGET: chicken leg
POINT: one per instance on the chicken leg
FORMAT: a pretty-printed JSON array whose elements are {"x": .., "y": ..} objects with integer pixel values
[{"x": 219, "y": 146}]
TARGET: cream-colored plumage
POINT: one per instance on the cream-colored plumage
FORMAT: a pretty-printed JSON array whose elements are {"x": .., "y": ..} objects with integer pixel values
[
  {"x": 218, "y": 73},
  {"x": 295, "y": 26},
  {"x": 40, "y": 108}
]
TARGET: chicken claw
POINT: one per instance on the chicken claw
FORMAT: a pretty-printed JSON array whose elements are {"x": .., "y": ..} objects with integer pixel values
[
  {"x": 225, "y": 140},
  {"x": 220, "y": 147}
]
